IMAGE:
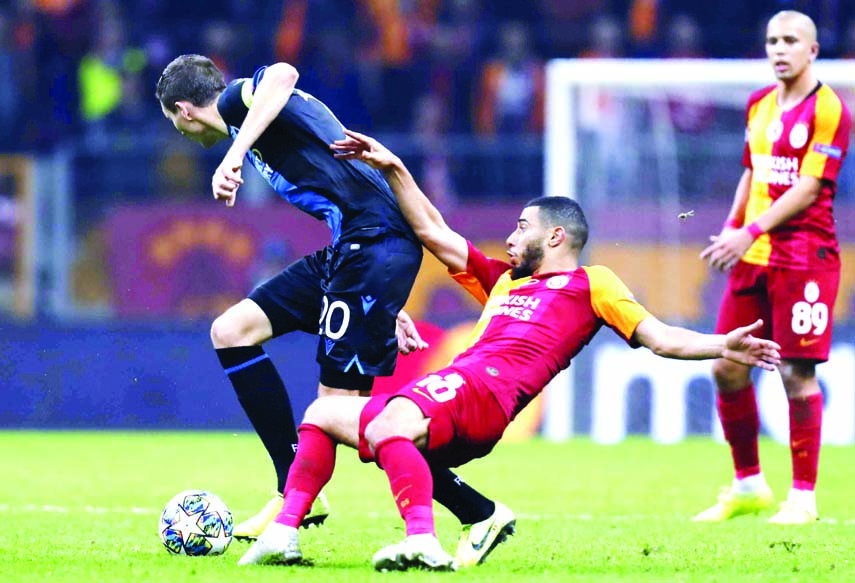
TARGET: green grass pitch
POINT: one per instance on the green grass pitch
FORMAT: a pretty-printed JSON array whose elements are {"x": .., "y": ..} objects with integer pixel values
[{"x": 84, "y": 506}]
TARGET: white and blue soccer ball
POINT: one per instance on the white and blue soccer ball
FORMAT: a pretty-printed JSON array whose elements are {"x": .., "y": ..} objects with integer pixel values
[{"x": 196, "y": 523}]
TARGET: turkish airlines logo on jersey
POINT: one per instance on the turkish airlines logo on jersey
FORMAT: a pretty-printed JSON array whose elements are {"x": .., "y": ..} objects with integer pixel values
[
  {"x": 519, "y": 307},
  {"x": 776, "y": 170}
]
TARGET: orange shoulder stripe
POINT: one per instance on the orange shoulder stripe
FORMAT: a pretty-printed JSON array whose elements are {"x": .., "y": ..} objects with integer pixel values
[
  {"x": 827, "y": 112},
  {"x": 613, "y": 302}
]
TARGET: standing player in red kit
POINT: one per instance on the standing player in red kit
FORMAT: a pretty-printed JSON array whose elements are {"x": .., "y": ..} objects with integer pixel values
[
  {"x": 780, "y": 247},
  {"x": 541, "y": 309}
]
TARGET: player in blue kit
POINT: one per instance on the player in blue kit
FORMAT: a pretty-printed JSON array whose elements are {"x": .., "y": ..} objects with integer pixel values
[{"x": 349, "y": 293}]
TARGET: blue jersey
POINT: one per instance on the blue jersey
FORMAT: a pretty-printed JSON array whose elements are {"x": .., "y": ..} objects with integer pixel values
[{"x": 293, "y": 155}]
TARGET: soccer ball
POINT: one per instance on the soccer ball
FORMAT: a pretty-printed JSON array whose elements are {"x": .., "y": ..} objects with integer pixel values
[{"x": 195, "y": 523}]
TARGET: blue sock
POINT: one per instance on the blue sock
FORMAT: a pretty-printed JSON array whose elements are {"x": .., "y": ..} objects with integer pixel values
[
  {"x": 464, "y": 502},
  {"x": 262, "y": 395}
]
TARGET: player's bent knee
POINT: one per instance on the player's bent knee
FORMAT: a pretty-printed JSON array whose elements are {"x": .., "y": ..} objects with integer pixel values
[
  {"x": 378, "y": 430},
  {"x": 224, "y": 333},
  {"x": 400, "y": 418},
  {"x": 730, "y": 376},
  {"x": 244, "y": 324},
  {"x": 799, "y": 378}
]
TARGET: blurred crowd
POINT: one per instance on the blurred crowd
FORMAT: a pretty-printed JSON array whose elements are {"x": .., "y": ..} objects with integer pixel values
[{"x": 87, "y": 68}]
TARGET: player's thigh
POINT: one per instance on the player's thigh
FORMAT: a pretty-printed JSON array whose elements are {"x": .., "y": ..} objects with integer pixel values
[
  {"x": 745, "y": 299},
  {"x": 465, "y": 421},
  {"x": 432, "y": 405},
  {"x": 338, "y": 417},
  {"x": 802, "y": 304},
  {"x": 369, "y": 283},
  {"x": 292, "y": 299},
  {"x": 328, "y": 391}
]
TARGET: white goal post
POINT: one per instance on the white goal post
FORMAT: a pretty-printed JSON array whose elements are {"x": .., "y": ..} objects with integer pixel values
[
  {"x": 638, "y": 78},
  {"x": 564, "y": 75}
]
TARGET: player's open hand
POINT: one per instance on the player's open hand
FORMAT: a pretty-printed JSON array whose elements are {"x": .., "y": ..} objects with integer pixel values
[
  {"x": 356, "y": 146},
  {"x": 227, "y": 179},
  {"x": 727, "y": 248},
  {"x": 409, "y": 339},
  {"x": 742, "y": 347}
]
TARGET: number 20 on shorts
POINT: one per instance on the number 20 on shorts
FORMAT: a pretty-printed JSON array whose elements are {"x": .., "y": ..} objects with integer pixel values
[{"x": 325, "y": 320}]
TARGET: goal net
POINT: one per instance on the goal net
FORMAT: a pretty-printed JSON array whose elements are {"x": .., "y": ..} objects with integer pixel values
[{"x": 652, "y": 150}]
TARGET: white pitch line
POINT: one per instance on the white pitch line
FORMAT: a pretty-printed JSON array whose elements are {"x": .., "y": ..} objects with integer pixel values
[
  {"x": 87, "y": 509},
  {"x": 613, "y": 517},
  {"x": 50, "y": 508}
]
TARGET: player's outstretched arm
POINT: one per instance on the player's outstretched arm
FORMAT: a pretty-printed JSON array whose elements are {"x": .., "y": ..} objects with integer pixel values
[
  {"x": 684, "y": 344},
  {"x": 270, "y": 96},
  {"x": 446, "y": 244}
]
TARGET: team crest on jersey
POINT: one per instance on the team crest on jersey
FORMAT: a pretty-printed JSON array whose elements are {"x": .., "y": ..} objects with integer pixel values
[
  {"x": 557, "y": 281},
  {"x": 774, "y": 130},
  {"x": 811, "y": 292},
  {"x": 798, "y": 135}
]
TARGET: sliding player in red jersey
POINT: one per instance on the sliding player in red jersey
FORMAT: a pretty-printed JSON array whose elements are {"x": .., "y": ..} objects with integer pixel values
[
  {"x": 780, "y": 247},
  {"x": 541, "y": 309}
]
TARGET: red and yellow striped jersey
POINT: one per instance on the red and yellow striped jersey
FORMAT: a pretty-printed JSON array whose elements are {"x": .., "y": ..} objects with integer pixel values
[
  {"x": 810, "y": 139},
  {"x": 532, "y": 327}
]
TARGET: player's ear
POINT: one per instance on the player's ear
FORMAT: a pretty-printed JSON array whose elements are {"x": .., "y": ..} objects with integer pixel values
[
  {"x": 557, "y": 236},
  {"x": 184, "y": 109}
]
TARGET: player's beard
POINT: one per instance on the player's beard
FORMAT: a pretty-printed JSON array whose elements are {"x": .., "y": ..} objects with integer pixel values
[{"x": 530, "y": 261}]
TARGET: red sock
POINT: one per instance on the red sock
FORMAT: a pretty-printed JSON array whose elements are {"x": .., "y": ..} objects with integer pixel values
[
  {"x": 741, "y": 423},
  {"x": 805, "y": 438},
  {"x": 411, "y": 482},
  {"x": 312, "y": 469}
]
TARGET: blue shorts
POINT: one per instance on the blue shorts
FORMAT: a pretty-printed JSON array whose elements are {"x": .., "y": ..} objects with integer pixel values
[{"x": 350, "y": 295}]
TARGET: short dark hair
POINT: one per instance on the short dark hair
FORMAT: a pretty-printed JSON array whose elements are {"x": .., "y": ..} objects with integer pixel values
[
  {"x": 192, "y": 78},
  {"x": 562, "y": 211}
]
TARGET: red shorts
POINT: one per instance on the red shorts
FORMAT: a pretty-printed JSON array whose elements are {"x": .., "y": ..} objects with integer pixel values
[
  {"x": 796, "y": 307},
  {"x": 466, "y": 422}
]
